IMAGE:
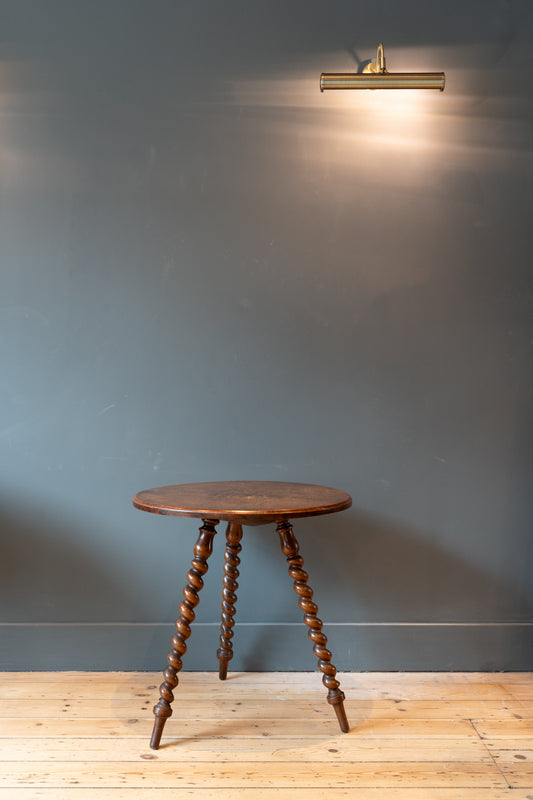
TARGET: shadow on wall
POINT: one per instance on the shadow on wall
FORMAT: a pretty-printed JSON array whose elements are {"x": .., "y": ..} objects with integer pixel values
[
  {"x": 368, "y": 567},
  {"x": 365, "y": 568},
  {"x": 387, "y": 566},
  {"x": 380, "y": 572},
  {"x": 372, "y": 570},
  {"x": 49, "y": 574}
]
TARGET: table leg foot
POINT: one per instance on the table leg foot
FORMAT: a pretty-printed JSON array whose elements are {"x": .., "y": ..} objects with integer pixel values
[
  {"x": 223, "y": 667},
  {"x": 291, "y": 548},
  {"x": 202, "y": 550},
  {"x": 157, "y": 732},
  {"x": 337, "y": 701},
  {"x": 229, "y": 597}
]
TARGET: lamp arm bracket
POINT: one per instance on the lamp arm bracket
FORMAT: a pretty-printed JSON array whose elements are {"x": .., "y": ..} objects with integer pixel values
[{"x": 379, "y": 66}]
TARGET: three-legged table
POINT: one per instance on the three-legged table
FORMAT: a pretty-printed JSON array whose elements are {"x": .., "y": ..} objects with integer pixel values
[{"x": 242, "y": 503}]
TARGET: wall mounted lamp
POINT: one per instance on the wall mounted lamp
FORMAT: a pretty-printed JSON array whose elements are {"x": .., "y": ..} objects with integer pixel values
[{"x": 375, "y": 76}]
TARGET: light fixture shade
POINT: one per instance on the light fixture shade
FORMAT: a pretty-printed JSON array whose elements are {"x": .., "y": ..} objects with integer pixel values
[
  {"x": 376, "y": 76},
  {"x": 386, "y": 80}
]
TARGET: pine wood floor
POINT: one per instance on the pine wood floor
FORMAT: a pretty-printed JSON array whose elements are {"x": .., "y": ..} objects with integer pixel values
[{"x": 267, "y": 736}]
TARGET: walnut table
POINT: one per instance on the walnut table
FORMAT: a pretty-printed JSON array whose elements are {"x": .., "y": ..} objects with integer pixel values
[{"x": 242, "y": 503}]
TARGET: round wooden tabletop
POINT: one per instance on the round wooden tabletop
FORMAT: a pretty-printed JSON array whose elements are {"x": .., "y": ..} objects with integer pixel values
[{"x": 247, "y": 502}]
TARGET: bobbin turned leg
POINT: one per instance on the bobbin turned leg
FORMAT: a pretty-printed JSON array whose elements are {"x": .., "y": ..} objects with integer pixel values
[
  {"x": 202, "y": 550},
  {"x": 290, "y": 548},
  {"x": 229, "y": 598}
]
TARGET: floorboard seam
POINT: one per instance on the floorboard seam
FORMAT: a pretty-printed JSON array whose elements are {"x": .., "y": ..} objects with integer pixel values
[{"x": 485, "y": 745}]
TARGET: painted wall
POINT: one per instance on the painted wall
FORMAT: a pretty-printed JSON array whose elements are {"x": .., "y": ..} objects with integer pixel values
[{"x": 211, "y": 271}]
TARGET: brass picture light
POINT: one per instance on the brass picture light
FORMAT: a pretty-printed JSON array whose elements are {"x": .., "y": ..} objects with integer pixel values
[{"x": 375, "y": 76}]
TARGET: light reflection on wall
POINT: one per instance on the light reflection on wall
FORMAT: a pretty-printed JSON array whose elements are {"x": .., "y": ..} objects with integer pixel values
[
  {"x": 392, "y": 173},
  {"x": 454, "y": 126}
]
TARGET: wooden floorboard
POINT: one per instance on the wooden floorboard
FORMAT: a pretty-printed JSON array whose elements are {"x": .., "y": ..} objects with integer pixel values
[
  {"x": 267, "y": 736},
  {"x": 352, "y": 793}
]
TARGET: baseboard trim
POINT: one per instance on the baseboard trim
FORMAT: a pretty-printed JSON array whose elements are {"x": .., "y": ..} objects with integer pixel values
[{"x": 360, "y": 646}]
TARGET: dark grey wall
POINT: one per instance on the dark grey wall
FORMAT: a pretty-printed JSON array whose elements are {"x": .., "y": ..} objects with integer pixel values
[{"x": 211, "y": 271}]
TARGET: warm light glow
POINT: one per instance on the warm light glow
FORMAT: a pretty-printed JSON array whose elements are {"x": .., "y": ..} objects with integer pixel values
[{"x": 365, "y": 131}]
